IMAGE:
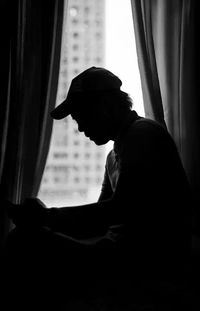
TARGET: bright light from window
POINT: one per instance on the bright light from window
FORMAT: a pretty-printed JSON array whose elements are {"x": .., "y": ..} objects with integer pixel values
[{"x": 121, "y": 56}]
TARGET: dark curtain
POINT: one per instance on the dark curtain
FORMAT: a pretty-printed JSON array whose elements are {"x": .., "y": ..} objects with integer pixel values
[
  {"x": 166, "y": 40},
  {"x": 31, "y": 33}
]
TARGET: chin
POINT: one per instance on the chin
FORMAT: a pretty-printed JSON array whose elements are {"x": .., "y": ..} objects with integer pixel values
[{"x": 99, "y": 141}]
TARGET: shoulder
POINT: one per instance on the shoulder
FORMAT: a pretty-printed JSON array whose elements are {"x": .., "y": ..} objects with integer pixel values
[
  {"x": 147, "y": 126},
  {"x": 148, "y": 131},
  {"x": 149, "y": 139}
]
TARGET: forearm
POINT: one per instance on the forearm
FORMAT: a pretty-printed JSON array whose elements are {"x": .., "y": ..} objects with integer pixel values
[{"x": 85, "y": 219}]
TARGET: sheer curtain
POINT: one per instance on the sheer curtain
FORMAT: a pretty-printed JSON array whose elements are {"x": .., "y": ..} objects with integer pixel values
[
  {"x": 30, "y": 54},
  {"x": 165, "y": 40}
]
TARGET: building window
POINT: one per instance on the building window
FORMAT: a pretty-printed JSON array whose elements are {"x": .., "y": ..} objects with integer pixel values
[
  {"x": 87, "y": 10},
  {"x": 87, "y": 155},
  {"x": 75, "y": 59},
  {"x": 64, "y": 73},
  {"x": 75, "y": 72},
  {"x": 76, "y": 180},
  {"x": 76, "y": 143},
  {"x": 76, "y": 155},
  {"x": 75, "y": 34},
  {"x": 75, "y": 21},
  {"x": 73, "y": 11},
  {"x": 75, "y": 47}
]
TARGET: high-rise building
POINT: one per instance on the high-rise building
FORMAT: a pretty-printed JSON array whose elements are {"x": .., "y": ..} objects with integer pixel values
[{"x": 75, "y": 165}]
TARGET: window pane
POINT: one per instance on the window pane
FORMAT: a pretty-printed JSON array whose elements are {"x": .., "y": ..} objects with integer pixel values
[
  {"x": 94, "y": 34},
  {"x": 121, "y": 56}
]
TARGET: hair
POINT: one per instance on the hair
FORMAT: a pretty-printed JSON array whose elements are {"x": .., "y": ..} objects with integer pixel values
[
  {"x": 119, "y": 99},
  {"x": 113, "y": 102}
]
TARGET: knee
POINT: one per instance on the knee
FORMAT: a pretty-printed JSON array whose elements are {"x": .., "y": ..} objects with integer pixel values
[{"x": 14, "y": 241}]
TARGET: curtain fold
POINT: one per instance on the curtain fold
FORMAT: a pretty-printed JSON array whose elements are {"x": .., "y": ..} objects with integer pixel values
[
  {"x": 147, "y": 61},
  {"x": 30, "y": 56},
  {"x": 165, "y": 41}
]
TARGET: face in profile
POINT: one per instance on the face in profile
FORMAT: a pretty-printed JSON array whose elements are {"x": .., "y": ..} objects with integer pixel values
[{"x": 94, "y": 124}]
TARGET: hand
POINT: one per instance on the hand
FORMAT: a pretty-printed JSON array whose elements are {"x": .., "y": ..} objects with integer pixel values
[{"x": 31, "y": 213}]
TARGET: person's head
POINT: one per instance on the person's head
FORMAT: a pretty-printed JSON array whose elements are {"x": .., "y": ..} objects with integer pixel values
[{"x": 96, "y": 102}]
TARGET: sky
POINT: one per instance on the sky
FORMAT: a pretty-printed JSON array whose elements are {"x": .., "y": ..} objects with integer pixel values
[{"x": 121, "y": 57}]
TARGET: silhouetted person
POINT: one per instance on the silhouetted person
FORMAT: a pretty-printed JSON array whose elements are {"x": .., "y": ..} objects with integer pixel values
[{"x": 141, "y": 222}]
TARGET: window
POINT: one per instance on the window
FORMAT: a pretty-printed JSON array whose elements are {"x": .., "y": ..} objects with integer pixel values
[
  {"x": 121, "y": 56},
  {"x": 95, "y": 33},
  {"x": 73, "y": 11}
]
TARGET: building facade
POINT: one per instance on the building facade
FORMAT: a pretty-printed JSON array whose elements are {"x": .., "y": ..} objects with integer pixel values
[{"x": 75, "y": 165}]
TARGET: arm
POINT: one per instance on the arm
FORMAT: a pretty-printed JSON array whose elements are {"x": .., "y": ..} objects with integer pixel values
[
  {"x": 84, "y": 220},
  {"x": 106, "y": 189},
  {"x": 89, "y": 219}
]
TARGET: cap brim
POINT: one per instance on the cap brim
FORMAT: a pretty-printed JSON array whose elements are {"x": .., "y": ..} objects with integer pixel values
[{"x": 62, "y": 111}]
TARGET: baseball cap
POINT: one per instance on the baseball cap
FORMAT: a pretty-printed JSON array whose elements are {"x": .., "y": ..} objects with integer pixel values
[{"x": 92, "y": 80}]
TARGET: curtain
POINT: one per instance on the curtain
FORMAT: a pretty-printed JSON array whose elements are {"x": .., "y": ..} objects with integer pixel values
[
  {"x": 166, "y": 44},
  {"x": 30, "y": 54}
]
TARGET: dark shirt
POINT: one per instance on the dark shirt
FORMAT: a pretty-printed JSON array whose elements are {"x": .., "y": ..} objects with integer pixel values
[{"x": 145, "y": 178}]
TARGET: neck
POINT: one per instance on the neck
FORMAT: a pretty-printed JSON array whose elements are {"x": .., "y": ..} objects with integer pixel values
[{"x": 123, "y": 122}]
